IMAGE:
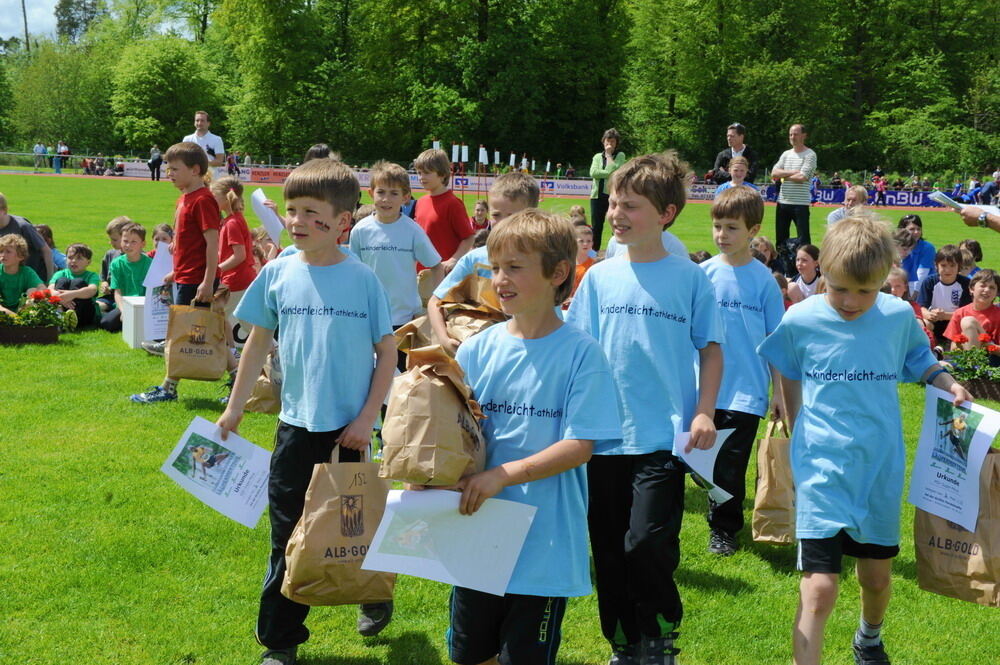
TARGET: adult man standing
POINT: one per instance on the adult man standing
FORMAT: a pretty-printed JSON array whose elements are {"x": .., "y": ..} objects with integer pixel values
[
  {"x": 39, "y": 152},
  {"x": 794, "y": 169},
  {"x": 735, "y": 135},
  {"x": 39, "y": 255},
  {"x": 209, "y": 142}
]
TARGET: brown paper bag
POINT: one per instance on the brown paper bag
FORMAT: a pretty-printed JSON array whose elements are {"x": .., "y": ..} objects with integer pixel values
[
  {"x": 774, "y": 503},
  {"x": 463, "y": 323},
  {"x": 425, "y": 285},
  {"x": 343, "y": 508},
  {"x": 431, "y": 434},
  {"x": 957, "y": 563},
  {"x": 196, "y": 343},
  {"x": 477, "y": 291},
  {"x": 266, "y": 394},
  {"x": 414, "y": 335}
]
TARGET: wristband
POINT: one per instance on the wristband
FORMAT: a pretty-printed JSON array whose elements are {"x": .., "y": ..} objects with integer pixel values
[{"x": 934, "y": 375}]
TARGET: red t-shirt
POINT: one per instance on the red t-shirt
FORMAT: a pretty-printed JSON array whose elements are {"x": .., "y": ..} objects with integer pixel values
[
  {"x": 989, "y": 317},
  {"x": 235, "y": 232},
  {"x": 196, "y": 213},
  {"x": 446, "y": 222}
]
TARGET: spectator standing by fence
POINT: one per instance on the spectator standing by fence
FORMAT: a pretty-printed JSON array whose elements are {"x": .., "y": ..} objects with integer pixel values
[
  {"x": 794, "y": 169},
  {"x": 209, "y": 142},
  {"x": 39, "y": 153},
  {"x": 602, "y": 166},
  {"x": 735, "y": 135},
  {"x": 155, "y": 162}
]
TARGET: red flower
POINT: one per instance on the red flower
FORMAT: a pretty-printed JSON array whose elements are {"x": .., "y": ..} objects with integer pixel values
[
  {"x": 992, "y": 348},
  {"x": 960, "y": 339},
  {"x": 985, "y": 337},
  {"x": 54, "y": 300}
]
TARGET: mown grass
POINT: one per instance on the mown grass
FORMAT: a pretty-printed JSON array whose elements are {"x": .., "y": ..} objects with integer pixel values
[{"x": 105, "y": 560}]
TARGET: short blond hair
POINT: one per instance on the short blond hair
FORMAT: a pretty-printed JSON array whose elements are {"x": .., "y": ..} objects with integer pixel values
[
  {"x": 115, "y": 226},
  {"x": 517, "y": 186},
  {"x": 535, "y": 232},
  {"x": 742, "y": 203},
  {"x": 663, "y": 178},
  {"x": 388, "y": 174},
  {"x": 739, "y": 159},
  {"x": 326, "y": 180},
  {"x": 17, "y": 242},
  {"x": 3, "y": 202},
  {"x": 859, "y": 247},
  {"x": 434, "y": 161}
]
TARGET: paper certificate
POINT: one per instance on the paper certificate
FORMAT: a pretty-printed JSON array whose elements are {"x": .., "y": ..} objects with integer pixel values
[
  {"x": 953, "y": 443},
  {"x": 162, "y": 265},
  {"x": 229, "y": 476},
  {"x": 422, "y": 534},
  {"x": 702, "y": 463},
  {"x": 267, "y": 216},
  {"x": 156, "y": 311}
]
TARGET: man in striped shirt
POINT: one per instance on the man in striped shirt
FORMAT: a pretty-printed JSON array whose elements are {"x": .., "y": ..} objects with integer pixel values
[{"x": 794, "y": 169}]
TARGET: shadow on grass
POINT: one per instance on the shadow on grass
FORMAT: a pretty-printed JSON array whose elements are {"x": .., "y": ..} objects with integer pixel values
[
  {"x": 711, "y": 582},
  {"x": 695, "y": 500},
  {"x": 204, "y": 404},
  {"x": 781, "y": 558},
  {"x": 410, "y": 647}
]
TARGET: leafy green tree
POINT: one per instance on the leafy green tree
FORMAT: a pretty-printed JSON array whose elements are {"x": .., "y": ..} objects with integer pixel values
[{"x": 73, "y": 17}]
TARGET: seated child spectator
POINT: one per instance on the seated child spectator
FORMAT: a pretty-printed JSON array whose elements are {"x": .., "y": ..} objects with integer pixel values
[
  {"x": 847, "y": 452},
  {"x": 898, "y": 286},
  {"x": 332, "y": 390},
  {"x": 539, "y": 460},
  {"x": 968, "y": 262},
  {"x": 751, "y": 308},
  {"x": 481, "y": 237},
  {"x": 264, "y": 248},
  {"x": 58, "y": 258},
  {"x": 480, "y": 215},
  {"x": 943, "y": 293},
  {"x": 584, "y": 261},
  {"x": 738, "y": 169},
  {"x": 978, "y": 323},
  {"x": 128, "y": 272},
  {"x": 39, "y": 255},
  {"x": 919, "y": 263},
  {"x": 512, "y": 192},
  {"x": 700, "y": 256},
  {"x": 441, "y": 214},
  {"x": 105, "y": 299},
  {"x": 577, "y": 215},
  {"x": 976, "y": 250},
  {"x": 16, "y": 279},
  {"x": 772, "y": 260},
  {"x": 807, "y": 282},
  {"x": 782, "y": 282},
  {"x": 161, "y": 233},
  {"x": 76, "y": 287},
  {"x": 855, "y": 198}
]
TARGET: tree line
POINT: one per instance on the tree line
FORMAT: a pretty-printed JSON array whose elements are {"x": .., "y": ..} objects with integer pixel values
[{"x": 909, "y": 84}]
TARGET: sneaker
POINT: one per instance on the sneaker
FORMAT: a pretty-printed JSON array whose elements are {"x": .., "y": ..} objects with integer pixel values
[
  {"x": 70, "y": 320},
  {"x": 660, "y": 650},
  {"x": 873, "y": 655},
  {"x": 627, "y": 654},
  {"x": 154, "y": 394},
  {"x": 722, "y": 543},
  {"x": 373, "y": 617},
  {"x": 154, "y": 348},
  {"x": 278, "y": 657}
]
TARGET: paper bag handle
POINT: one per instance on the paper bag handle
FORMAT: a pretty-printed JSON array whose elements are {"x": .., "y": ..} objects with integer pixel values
[{"x": 776, "y": 427}]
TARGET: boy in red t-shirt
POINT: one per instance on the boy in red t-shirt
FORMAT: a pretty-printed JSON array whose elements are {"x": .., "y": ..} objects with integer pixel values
[
  {"x": 442, "y": 215},
  {"x": 196, "y": 243},
  {"x": 977, "y": 323}
]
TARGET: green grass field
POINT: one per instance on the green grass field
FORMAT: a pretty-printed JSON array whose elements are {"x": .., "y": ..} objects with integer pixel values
[{"x": 105, "y": 560}]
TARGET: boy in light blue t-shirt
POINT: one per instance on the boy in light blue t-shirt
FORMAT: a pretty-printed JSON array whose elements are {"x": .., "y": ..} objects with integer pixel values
[
  {"x": 510, "y": 193},
  {"x": 841, "y": 357},
  {"x": 333, "y": 315},
  {"x": 751, "y": 307},
  {"x": 653, "y": 314},
  {"x": 547, "y": 393}
]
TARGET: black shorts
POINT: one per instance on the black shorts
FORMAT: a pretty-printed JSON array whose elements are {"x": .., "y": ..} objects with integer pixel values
[
  {"x": 525, "y": 630},
  {"x": 184, "y": 293},
  {"x": 824, "y": 555}
]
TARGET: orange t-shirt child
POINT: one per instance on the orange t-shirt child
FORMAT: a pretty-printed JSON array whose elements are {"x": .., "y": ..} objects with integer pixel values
[{"x": 989, "y": 318}]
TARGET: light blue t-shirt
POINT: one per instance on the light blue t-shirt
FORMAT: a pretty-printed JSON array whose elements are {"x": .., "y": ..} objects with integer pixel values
[
  {"x": 292, "y": 249},
  {"x": 650, "y": 319},
  {"x": 729, "y": 185},
  {"x": 58, "y": 259},
  {"x": 671, "y": 243},
  {"x": 535, "y": 392},
  {"x": 751, "y": 306},
  {"x": 330, "y": 318},
  {"x": 463, "y": 268},
  {"x": 392, "y": 251},
  {"x": 847, "y": 453}
]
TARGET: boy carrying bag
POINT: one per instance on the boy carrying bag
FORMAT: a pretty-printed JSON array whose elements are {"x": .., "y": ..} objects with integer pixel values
[
  {"x": 343, "y": 507},
  {"x": 431, "y": 433},
  {"x": 196, "y": 343},
  {"x": 774, "y": 502}
]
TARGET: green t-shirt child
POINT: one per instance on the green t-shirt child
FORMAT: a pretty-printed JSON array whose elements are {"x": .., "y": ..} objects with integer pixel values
[
  {"x": 127, "y": 276},
  {"x": 12, "y": 287},
  {"x": 91, "y": 278}
]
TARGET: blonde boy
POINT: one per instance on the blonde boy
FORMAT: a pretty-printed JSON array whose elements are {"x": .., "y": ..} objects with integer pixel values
[
  {"x": 751, "y": 307},
  {"x": 334, "y": 315},
  {"x": 16, "y": 279},
  {"x": 510, "y": 193},
  {"x": 652, "y": 312},
  {"x": 847, "y": 455},
  {"x": 113, "y": 230},
  {"x": 441, "y": 214},
  {"x": 534, "y": 455},
  {"x": 738, "y": 168}
]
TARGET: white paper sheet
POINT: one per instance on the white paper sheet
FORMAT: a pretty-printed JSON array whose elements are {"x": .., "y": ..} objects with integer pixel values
[
  {"x": 953, "y": 443},
  {"x": 702, "y": 462},
  {"x": 267, "y": 217},
  {"x": 163, "y": 263},
  {"x": 422, "y": 534},
  {"x": 229, "y": 476},
  {"x": 156, "y": 311}
]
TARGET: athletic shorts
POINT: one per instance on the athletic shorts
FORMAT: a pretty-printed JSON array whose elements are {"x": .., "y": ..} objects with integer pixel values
[
  {"x": 521, "y": 630},
  {"x": 824, "y": 555}
]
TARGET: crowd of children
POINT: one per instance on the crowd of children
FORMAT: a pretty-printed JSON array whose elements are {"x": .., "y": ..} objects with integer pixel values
[{"x": 600, "y": 349}]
